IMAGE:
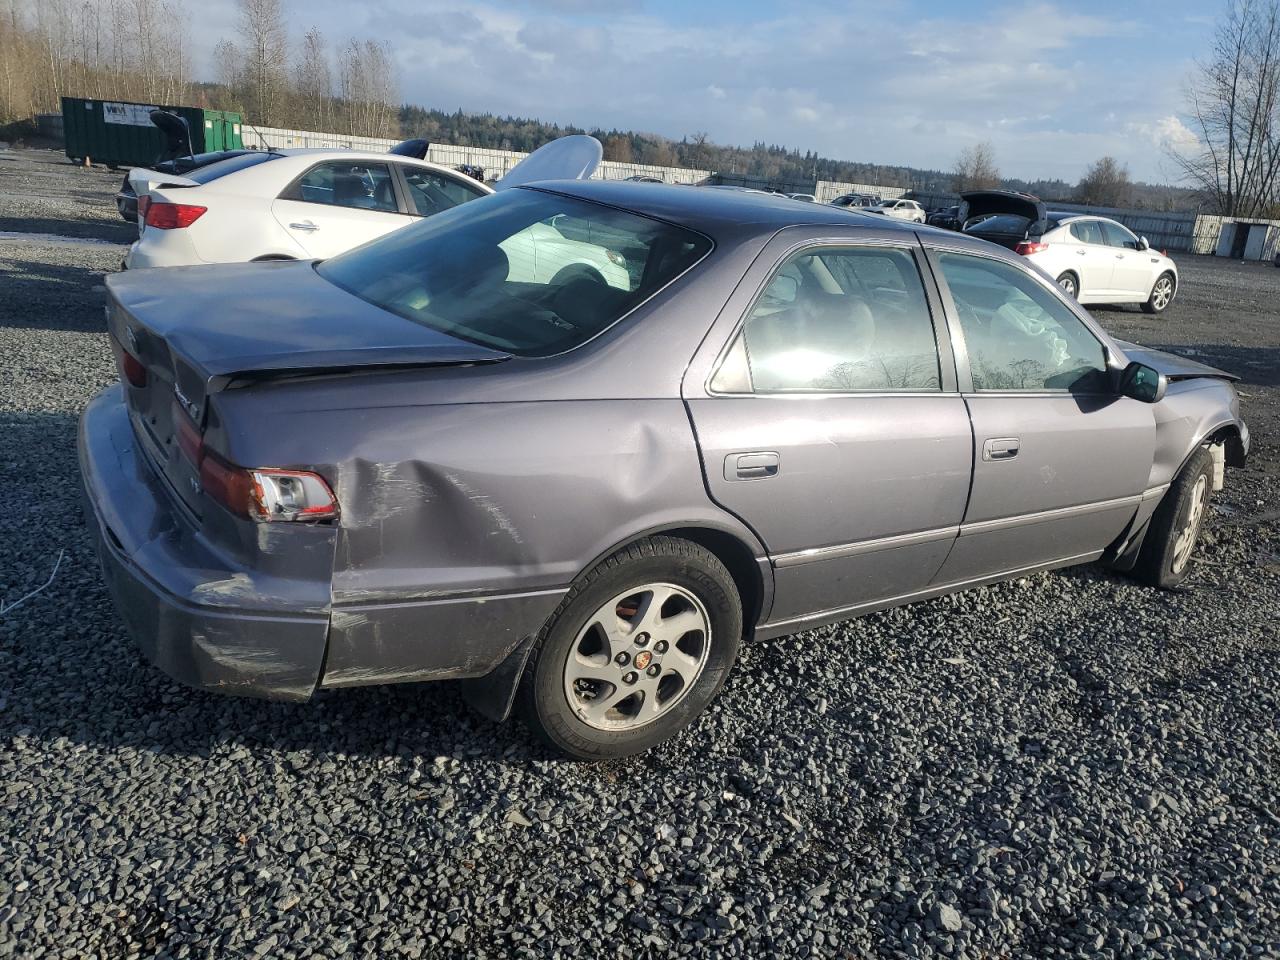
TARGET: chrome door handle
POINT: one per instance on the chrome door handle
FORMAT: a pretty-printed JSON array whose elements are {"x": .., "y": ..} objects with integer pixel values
[
  {"x": 751, "y": 466},
  {"x": 1001, "y": 448},
  {"x": 1082, "y": 253},
  {"x": 1119, "y": 256},
  {"x": 306, "y": 225}
]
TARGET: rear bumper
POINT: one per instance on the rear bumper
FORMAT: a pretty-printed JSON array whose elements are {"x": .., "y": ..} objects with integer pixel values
[
  {"x": 171, "y": 248},
  {"x": 160, "y": 575},
  {"x": 213, "y": 625}
]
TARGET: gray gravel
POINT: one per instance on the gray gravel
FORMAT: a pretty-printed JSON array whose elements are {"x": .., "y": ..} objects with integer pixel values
[{"x": 1067, "y": 765}]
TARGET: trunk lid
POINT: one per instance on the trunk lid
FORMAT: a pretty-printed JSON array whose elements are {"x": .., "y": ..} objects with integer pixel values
[
  {"x": 197, "y": 329},
  {"x": 1010, "y": 217},
  {"x": 567, "y": 158}
]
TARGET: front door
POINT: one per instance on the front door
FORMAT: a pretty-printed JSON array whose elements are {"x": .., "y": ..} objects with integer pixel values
[
  {"x": 1132, "y": 275},
  {"x": 1060, "y": 461},
  {"x": 831, "y": 425},
  {"x": 1095, "y": 258},
  {"x": 340, "y": 204}
]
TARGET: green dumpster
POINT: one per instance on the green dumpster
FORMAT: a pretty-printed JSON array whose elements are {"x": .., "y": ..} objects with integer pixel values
[{"x": 121, "y": 134}]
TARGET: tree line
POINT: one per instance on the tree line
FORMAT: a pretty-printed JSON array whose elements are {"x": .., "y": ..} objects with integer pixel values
[{"x": 139, "y": 50}]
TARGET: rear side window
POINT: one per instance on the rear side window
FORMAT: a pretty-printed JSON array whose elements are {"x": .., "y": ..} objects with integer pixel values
[
  {"x": 346, "y": 183},
  {"x": 1018, "y": 334},
  {"x": 220, "y": 169},
  {"x": 836, "y": 321}
]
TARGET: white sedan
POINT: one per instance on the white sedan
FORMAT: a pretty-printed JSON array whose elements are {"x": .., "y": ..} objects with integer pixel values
[
  {"x": 286, "y": 205},
  {"x": 900, "y": 209},
  {"x": 1095, "y": 259},
  {"x": 315, "y": 204}
]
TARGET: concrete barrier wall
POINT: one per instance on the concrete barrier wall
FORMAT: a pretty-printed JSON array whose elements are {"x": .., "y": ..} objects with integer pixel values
[
  {"x": 828, "y": 190},
  {"x": 496, "y": 163}
]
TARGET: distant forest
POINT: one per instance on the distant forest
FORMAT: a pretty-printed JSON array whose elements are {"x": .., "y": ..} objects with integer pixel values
[{"x": 771, "y": 161}]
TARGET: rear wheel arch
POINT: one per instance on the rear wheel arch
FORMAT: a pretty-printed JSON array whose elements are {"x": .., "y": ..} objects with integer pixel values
[{"x": 729, "y": 547}]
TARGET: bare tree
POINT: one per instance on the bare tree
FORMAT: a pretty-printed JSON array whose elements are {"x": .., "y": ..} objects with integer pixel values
[
  {"x": 367, "y": 81},
  {"x": 266, "y": 48},
  {"x": 313, "y": 79},
  {"x": 976, "y": 168},
  {"x": 618, "y": 148},
  {"x": 1234, "y": 102},
  {"x": 1105, "y": 184}
]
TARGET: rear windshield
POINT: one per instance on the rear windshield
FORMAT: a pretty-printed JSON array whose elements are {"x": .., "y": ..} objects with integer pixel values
[
  {"x": 220, "y": 169},
  {"x": 523, "y": 271},
  {"x": 1000, "y": 223}
]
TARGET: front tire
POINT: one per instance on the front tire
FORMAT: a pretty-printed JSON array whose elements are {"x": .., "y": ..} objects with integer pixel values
[
  {"x": 1165, "y": 559},
  {"x": 1162, "y": 294},
  {"x": 1070, "y": 284},
  {"x": 637, "y": 649}
]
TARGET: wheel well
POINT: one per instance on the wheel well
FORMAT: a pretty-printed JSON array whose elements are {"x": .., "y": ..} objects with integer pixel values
[
  {"x": 738, "y": 560},
  {"x": 1229, "y": 437},
  {"x": 1071, "y": 273}
]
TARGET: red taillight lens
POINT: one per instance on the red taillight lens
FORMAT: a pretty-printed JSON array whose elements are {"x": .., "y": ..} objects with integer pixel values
[
  {"x": 133, "y": 369},
  {"x": 226, "y": 483},
  {"x": 172, "y": 216},
  {"x": 1028, "y": 247}
]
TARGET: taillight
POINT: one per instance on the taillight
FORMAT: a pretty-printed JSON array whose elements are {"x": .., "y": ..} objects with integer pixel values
[
  {"x": 1028, "y": 247},
  {"x": 172, "y": 216},
  {"x": 133, "y": 369},
  {"x": 144, "y": 202}
]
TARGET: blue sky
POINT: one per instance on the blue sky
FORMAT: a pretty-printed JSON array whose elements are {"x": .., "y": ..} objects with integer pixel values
[{"x": 1053, "y": 85}]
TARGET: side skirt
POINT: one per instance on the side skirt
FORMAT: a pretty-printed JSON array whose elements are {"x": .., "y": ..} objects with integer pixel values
[{"x": 781, "y": 628}]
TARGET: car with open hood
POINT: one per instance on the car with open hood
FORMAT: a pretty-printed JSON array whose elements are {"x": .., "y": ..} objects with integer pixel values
[
  {"x": 415, "y": 462},
  {"x": 1095, "y": 259}
]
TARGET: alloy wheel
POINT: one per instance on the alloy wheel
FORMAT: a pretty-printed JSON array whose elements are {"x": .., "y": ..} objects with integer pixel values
[
  {"x": 637, "y": 657},
  {"x": 1162, "y": 294},
  {"x": 1186, "y": 541},
  {"x": 1068, "y": 284}
]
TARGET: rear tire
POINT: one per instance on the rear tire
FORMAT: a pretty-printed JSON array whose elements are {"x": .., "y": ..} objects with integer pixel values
[
  {"x": 636, "y": 650},
  {"x": 1174, "y": 530},
  {"x": 1070, "y": 284},
  {"x": 1162, "y": 294}
]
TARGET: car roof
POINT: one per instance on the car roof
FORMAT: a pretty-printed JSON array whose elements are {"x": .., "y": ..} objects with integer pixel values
[{"x": 718, "y": 211}]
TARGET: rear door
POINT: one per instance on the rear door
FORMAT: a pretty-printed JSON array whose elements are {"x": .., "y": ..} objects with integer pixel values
[
  {"x": 1060, "y": 461},
  {"x": 340, "y": 204},
  {"x": 826, "y": 410}
]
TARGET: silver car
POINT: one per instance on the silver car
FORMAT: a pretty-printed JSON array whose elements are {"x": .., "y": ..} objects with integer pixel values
[{"x": 578, "y": 496}]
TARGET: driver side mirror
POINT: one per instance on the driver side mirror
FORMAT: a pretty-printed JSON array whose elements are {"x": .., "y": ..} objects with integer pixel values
[
  {"x": 1143, "y": 244},
  {"x": 1143, "y": 383}
]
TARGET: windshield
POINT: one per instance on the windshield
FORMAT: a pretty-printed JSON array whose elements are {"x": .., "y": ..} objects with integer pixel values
[
  {"x": 220, "y": 169},
  {"x": 524, "y": 271}
]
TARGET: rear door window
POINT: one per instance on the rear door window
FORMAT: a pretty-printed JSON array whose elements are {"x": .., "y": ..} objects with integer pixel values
[
  {"x": 1087, "y": 231},
  {"x": 346, "y": 183},
  {"x": 836, "y": 320}
]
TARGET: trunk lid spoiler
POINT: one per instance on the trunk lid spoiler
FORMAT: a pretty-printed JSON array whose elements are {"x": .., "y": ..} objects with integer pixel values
[{"x": 1171, "y": 365}]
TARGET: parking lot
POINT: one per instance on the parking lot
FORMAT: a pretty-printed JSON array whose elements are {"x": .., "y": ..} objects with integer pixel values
[{"x": 1066, "y": 765}]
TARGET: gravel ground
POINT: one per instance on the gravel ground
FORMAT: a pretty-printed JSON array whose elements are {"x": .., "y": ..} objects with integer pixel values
[{"x": 1068, "y": 765}]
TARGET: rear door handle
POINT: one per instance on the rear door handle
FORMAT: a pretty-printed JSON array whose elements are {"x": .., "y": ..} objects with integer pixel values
[
  {"x": 1001, "y": 448},
  {"x": 751, "y": 466},
  {"x": 306, "y": 225}
]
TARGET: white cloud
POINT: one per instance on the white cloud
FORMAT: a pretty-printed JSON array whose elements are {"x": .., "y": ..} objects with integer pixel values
[{"x": 885, "y": 81}]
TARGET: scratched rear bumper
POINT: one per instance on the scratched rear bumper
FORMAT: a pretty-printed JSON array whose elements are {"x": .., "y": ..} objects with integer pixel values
[{"x": 194, "y": 615}]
